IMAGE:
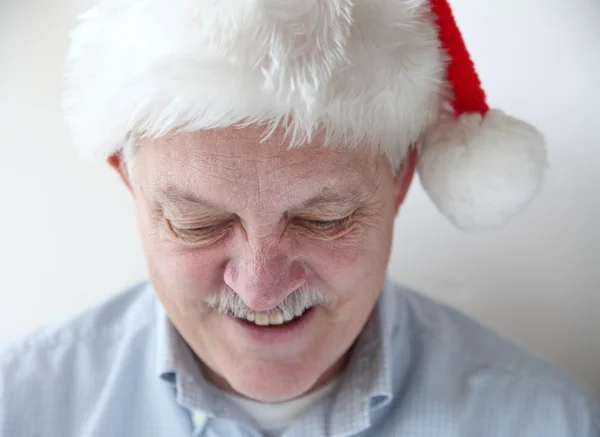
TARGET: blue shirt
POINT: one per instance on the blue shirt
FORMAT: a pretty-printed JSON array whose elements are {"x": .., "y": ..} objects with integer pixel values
[{"x": 418, "y": 369}]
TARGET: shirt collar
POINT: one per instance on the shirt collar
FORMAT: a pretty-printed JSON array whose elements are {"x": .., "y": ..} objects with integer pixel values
[
  {"x": 176, "y": 364},
  {"x": 166, "y": 346},
  {"x": 369, "y": 381}
]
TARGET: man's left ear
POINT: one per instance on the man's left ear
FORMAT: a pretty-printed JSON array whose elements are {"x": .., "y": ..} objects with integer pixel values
[
  {"x": 116, "y": 162},
  {"x": 404, "y": 177}
]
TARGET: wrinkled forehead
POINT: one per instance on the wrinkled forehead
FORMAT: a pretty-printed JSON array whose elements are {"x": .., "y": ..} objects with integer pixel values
[{"x": 246, "y": 156}]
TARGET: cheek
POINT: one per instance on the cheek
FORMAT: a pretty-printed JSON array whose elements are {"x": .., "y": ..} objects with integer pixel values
[
  {"x": 354, "y": 265},
  {"x": 170, "y": 262},
  {"x": 194, "y": 271},
  {"x": 182, "y": 281},
  {"x": 181, "y": 275}
]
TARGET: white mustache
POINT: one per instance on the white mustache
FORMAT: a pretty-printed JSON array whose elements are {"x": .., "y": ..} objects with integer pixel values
[{"x": 228, "y": 301}]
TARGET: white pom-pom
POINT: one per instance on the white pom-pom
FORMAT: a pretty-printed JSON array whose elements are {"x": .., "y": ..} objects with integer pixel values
[{"x": 482, "y": 171}]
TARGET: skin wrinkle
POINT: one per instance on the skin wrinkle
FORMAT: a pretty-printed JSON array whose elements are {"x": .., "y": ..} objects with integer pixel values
[
  {"x": 189, "y": 163},
  {"x": 332, "y": 203},
  {"x": 258, "y": 186},
  {"x": 269, "y": 251}
]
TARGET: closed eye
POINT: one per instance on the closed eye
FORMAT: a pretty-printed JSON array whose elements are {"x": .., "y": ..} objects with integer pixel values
[
  {"x": 197, "y": 232},
  {"x": 327, "y": 225}
]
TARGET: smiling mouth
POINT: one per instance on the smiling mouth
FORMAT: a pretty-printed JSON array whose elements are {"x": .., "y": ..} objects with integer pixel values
[{"x": 277, "y": 318}]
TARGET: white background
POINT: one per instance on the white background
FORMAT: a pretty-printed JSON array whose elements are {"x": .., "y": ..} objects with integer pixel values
[{"x": 67, "y": 229}]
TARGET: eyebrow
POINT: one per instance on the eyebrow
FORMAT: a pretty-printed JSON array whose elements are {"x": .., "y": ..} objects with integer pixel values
[
  {"x": 176, "y": 196},
  {"x": 328, "y": 198},
  {"x": 173, "y": 195}
]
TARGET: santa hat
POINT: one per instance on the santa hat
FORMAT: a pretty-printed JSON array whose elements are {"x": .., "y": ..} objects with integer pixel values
[{"x": 384, "y": 74}]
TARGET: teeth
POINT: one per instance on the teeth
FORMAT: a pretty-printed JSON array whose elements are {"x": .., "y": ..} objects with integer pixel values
[
  {"x": 276, "y": 319},
  {"x": 261, "y": 319}
]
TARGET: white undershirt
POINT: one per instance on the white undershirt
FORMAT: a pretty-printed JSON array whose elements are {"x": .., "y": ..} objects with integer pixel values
[{"x": 273, "y": 419}]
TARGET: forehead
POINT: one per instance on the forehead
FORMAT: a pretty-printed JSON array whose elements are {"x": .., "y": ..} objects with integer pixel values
[{"x": 241, "y": 162}]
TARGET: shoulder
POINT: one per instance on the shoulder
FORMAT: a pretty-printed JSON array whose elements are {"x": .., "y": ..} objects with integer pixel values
[
  {"x": 71, "y": 361},
  {"x": 126, "y": 311},
  {"x": 465, "y": 369}
]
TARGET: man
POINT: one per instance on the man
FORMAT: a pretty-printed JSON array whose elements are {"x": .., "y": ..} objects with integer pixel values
[{"x": 268, "y": 147}]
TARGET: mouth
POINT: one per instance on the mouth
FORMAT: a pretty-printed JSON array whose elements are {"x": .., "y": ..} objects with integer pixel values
[
  {"x": 272, "y": 328},
  {"x": 272, "y": 319}
]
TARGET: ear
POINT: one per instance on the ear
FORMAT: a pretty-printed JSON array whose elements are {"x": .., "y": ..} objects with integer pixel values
[
  {"x": 404, "y": 177},
  {"x": 116, "y": 162}
]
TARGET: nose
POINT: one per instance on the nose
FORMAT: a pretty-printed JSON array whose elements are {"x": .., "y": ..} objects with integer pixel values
[{"x": 264, "y": 279}]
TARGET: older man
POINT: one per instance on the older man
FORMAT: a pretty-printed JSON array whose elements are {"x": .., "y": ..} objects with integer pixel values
[{"x": 268, "y": 147}]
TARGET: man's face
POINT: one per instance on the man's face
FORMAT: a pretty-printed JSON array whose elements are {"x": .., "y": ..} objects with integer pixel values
[{"x": 218, "y": 210}]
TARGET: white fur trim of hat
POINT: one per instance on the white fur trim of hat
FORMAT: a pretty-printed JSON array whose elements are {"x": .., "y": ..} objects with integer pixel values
[{"x": 384, "y": 74}]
